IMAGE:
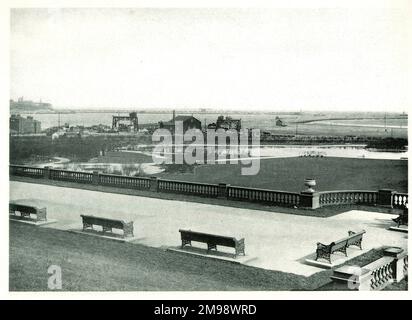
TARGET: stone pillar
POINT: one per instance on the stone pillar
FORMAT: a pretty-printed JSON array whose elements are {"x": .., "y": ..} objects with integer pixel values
[
  {"x": 95, "y": 178},
  {"x": 46, "y": 173},
  {"x": 398, "y": 263},
  {"x": 351, "y": 278},
  {"x": 309, "y": 200},
  {"x": 223, "y": 190},
  {"x": 385, "y": 197},
  {"x": 154, "y": 184}
]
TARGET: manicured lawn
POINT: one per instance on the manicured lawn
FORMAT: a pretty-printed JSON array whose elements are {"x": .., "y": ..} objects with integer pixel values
[
  {"x": 90, "y": 264},
  {"x": 289, "y": 173}
]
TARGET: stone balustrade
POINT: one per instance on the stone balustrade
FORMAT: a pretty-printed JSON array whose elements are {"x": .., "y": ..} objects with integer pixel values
[
  {"x": 123, "y": 181},
  {"x": 72, "y": 176},
  {"x": 308, "y": 198},
  {"x": 265, "y": 196},
  {"x": 391, "y": 268},
  {"x": 382, "y": 273},
  {"x": 26, "y": 171},
  {"x": 344, "y": 197},
  {"x": 183, "y": 187},
  {"x": 399, "y": 200}
]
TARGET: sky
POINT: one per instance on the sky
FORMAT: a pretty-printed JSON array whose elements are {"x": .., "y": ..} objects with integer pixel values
[{"x": 245, "y": 59}]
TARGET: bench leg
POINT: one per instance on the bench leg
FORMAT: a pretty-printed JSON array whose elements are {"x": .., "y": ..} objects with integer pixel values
[
  {"x": 358, "y": 244},
  {"x": 185, "y": 242},
  {"x": 87, "y": 225},
  {"x": 127, "y": 233},
  {"x": 105, "y": 229},
  {"x": 211, "y": 246},
  {"x": 343, "y": 250},
  {"x": 323, "y": 255},
  {"x": 41, "y": 216},
  {"x": 240, "y": 250},
  {"x": 25, "y": 214}
]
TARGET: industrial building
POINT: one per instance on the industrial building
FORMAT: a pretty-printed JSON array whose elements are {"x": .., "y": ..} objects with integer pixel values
[
  {"x": 226, "y": 123},
  {"x": 189, "y": 122},
  {"x": 126, "y": 123},
  {"x": 21, "y": 125}
]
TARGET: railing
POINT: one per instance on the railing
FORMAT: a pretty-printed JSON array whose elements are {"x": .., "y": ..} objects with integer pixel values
[
  {"x": 391, "y": 268},
  {"x": 280, "y": 198},
  {"x": 382, "y": 272},
  {"x": 124, "y": 181},
  {"x": 26, "y": 171},
  {"x": 263, "y": 195},
  {"x": 201, "y": 189},
  {"x": 400, "y": 200},
  {"x": 327, "y": 198},
  {"x": 405, "y": 266},
  {"x": 73, "y": 176}
]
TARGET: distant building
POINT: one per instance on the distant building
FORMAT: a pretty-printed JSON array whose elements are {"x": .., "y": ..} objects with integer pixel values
[
  {"x": 132, "y": 123},
  {"x": 22, "y": 105},
  {"x": 189, "y": 122},
  {"x": 21, "y": 125},
  {"x": 226, "y": 123}
]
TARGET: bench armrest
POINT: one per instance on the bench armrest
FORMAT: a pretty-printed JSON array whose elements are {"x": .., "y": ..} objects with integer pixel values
[
  {"x": 128, "y": 224},
  {"x": 322, "y": 246}
]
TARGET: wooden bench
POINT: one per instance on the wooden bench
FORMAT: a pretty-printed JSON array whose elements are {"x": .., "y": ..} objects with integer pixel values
[
  {"x": 402, "y": 219},
  {"x": 27, "y": 210},
  {"x": 353, "y": 239},
  {"x": 212, "y": 241},
  {"x": 108, "y": 224}
]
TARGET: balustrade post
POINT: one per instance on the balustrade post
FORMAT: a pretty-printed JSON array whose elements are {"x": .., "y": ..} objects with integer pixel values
[
  {"x": 309, "y": 198},
  {"x": 154, "y": 184},
  {"x": 95, "y": 178},
  {"x": 398, "y": 263},
  {"x": 385, "y": 197},
  {"x": 223, "y": 190},
  {"x": 351, "y": 278},
  {"x": 46, "y": 173}
]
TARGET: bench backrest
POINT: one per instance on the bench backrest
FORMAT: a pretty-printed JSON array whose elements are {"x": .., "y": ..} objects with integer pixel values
[
  {"x": 347, "y": 241},
  {"x": 336, "y": 245},
  {"x": 355, "y": 237},
  {"x": 113, "y": 223},
  {"x": 24, "y": 208},
  {"x": 208, "y": 238}
]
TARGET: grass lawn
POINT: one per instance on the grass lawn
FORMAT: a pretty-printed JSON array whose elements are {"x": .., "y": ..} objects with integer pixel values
[
  {"x": 90, "y": 264},
  {"x": 288, "y": 174}
]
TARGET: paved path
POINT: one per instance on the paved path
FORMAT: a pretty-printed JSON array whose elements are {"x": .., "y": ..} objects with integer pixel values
[{"x": 279, "y": 241}]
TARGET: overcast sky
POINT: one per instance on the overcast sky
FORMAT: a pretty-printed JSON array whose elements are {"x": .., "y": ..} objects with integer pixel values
[{"x": 270, "y": 59}]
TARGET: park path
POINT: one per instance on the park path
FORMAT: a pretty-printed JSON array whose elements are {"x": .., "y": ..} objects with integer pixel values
[{"x": 276, "y": 241}]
